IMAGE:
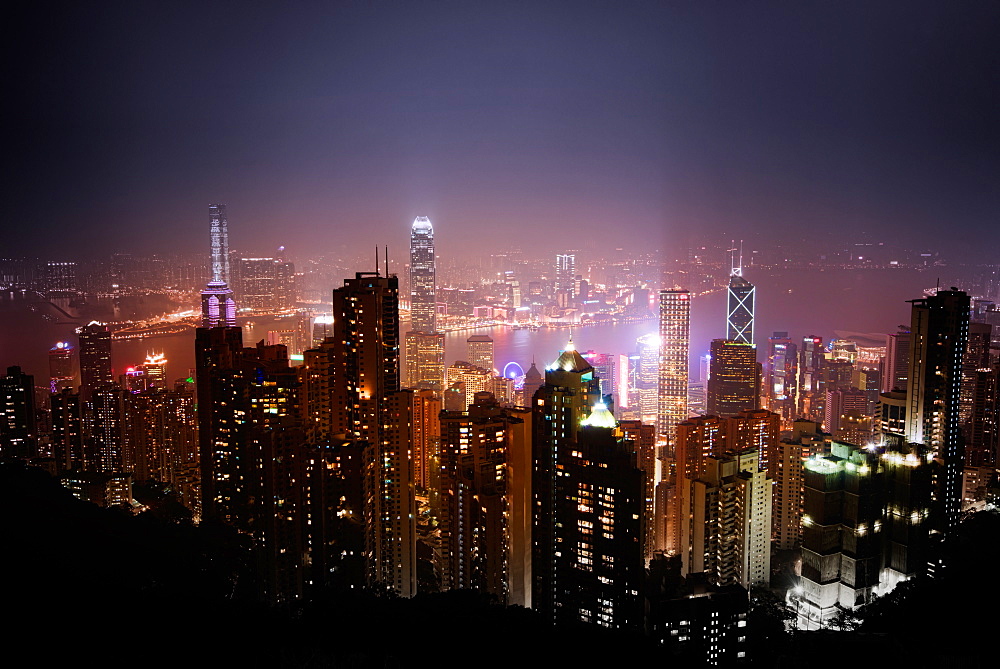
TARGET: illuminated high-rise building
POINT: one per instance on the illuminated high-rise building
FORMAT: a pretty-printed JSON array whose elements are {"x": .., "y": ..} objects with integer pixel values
[
  {"x": 368, "y": 409},
  {"x": 726, "y": 521},
  {"x": 218, "y": 308},
  {"x": 675, "y": 332},
  {"x": 423, "y": 299},
  {"x": 481, "y": 351},
  {"x": 485, "y": 525},
  {"x": 424, "y": 356},
  {"x": 740, "y": 306},
  {"x": 782, "y": 375},
  {"x": 62, "y": 367},
  {"x": 939, "y": 334},
  {"x": 897, "y": 361},
  {"x": 734, "y": 380},
  {"x": 566, "y": 275},
  {"x": 842, "y": 533},
  {"x": 646, "y": 377},
  {"x": 95, "y": 357},
  {"x": 559, "y": 406}
]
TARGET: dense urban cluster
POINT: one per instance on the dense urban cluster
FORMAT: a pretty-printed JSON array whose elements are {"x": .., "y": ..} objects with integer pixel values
[{"x": 611, "y": 489}]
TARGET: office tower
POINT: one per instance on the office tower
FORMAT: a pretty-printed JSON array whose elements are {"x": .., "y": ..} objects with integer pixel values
[
  {"x": 423, "y": 304},
  {"x": 939, "y": 334},
  {"x": 485, "y": 527},
  {"x": 740, "y": 306},
  {"x": 218, "y": 308},
  {"x": 62, "y": 367},
  {"x": 566, "y": 275},
  {"x": 481, "y": 351},
  {"x": 95, "y": 357},
  {"x": 646, "y": 374},
  {"x": 897, "y": 360},
  {"x": 782, "y": 375},
  {"x": 675, "y": 327},
  {"x": 424, "y": 356},
  {"x": 842, "y": 532},
  {"x": 559, "y": 407},
  {"x": 726, "y": 521},
  {"x": 365, "y": 379},
  {"x": 18, "y": 419},
  {"x": 734, "y": 381}
]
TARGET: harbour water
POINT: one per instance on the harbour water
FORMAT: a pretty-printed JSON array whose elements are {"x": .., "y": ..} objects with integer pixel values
[{"x": 801, "y": 302}]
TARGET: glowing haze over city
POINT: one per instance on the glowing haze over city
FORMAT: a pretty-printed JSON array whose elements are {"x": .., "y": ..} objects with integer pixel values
[{"x": 350, "y": 333}]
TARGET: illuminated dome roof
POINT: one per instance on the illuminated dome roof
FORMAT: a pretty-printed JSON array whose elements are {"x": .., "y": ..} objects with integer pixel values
[
  {"x": 600, "y": 417},
  {"x": 570, "y": 361},
  {"x": 422, "y": 223}
]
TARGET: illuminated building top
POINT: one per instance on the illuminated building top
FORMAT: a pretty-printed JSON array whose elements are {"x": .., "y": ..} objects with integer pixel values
[{"x": 423, "y": 305}]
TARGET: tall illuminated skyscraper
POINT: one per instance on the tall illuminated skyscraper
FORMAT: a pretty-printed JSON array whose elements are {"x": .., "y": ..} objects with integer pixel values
[
  {"x": 566, "y": 273},
  {"x": 734, "y": 384},
  {"x": 675, "y": 331},
  {"x": 95, "y": 357},
  {"x": 423, "y": 304},
  {"x": 217, "y": 304},
  {"x": 939, "y": 333},
  {"x": 739, "y": 314}
]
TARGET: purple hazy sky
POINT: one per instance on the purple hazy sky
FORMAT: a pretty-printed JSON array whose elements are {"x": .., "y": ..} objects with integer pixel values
[{"x": 558, "y": 124}]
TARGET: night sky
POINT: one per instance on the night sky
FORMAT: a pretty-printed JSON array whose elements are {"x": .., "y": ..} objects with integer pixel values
[{"x": 567, "y": 125}]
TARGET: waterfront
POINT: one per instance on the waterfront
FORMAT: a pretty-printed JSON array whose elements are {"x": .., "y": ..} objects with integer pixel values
[{"x": 802, "y": 302}]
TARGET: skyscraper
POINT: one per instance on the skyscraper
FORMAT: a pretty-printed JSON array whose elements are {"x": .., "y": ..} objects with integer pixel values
[
  {"x": 734, "y": 381},
  {"x": 62, "y": 372},
  {"x": 739, "y": 314},
  {"x": 939, "y": 333},
  {"x": 95, "y": 357},
  {"x": 675, "y": 328},
  {"x": 566, "y": 274},
  {"x": 423, "y": 306},
  {"x": 368, "y": 409},
  {"x": 481, "y": 351},
  {"x": 217, "y": 304}
]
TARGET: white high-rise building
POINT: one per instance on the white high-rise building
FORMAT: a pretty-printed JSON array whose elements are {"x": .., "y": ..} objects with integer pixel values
[{"x": 423, "y": 305}]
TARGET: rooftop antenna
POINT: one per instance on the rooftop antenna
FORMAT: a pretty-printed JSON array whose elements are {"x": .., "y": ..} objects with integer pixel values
[
  {"x": 376, "y": 261},
  {"x": 741, "y": 258},
  {"x": 387, "y": 260}
]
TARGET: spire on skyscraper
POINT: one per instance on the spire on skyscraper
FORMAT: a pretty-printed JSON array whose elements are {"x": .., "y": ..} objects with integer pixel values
[
  {"x": 217, "y": 305},
  {"x": 740, "y": 305}
]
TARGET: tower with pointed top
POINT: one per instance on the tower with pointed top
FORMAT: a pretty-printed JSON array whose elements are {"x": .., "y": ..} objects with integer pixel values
[
  {"x": 218, "y": 308},
  {"x": 740, "y": 305},
  {"x": 422, "y": 276}
]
